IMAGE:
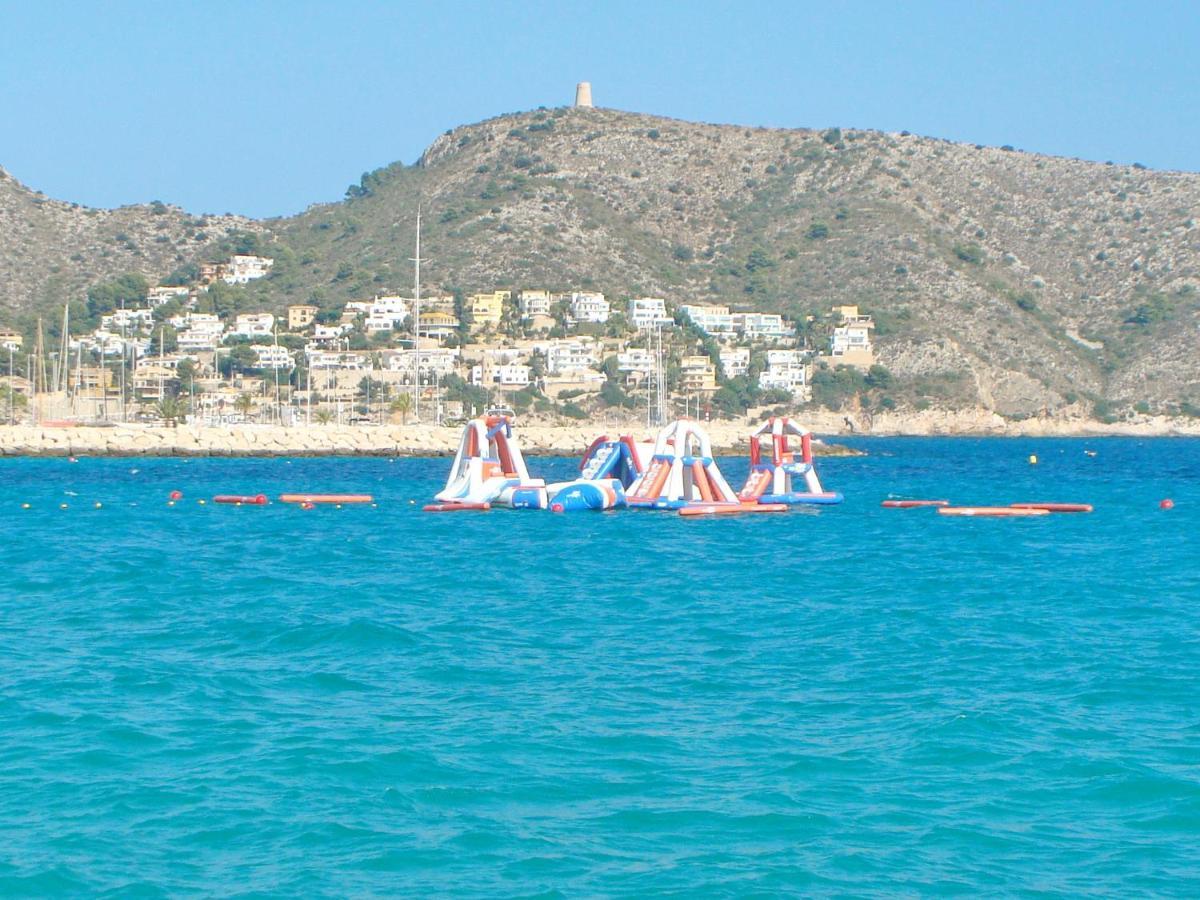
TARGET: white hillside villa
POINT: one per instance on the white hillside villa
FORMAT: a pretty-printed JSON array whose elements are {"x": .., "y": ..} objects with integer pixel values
[
  {"x": 244, "y": 269},
  {"x": 648, "y": 312},
  {"x": 588, "y": 306}
]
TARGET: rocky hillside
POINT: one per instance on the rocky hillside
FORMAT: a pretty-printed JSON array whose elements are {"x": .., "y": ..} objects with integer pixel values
[
  {"x": 51, "y": 251},
  {"x": 1016, "y": 282}
]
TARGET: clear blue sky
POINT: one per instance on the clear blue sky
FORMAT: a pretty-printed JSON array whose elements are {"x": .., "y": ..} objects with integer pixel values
[{"x": 264, "y": 107}]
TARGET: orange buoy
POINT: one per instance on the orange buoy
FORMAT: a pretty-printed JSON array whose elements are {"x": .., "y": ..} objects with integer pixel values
[
  {"x": 242, "y": 499},
  {"x": 175, "y": 495},
  {"x": 326, "y": 498},
  {"x": 1166, "y": 503},
  {"x": 1056, "y": 507},
  {"x": 997, "y": 512},
  {"x": 912, "y": 504}
]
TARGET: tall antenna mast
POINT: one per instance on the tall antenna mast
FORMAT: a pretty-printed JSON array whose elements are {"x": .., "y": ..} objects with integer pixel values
[
  {"x": 650, "y": 373},
  {"x": 40, "y": 385},
  {"x": 661, "y": 392},
  {"x": 64, "y": 362},
  {"x": 417, "y": 320}
]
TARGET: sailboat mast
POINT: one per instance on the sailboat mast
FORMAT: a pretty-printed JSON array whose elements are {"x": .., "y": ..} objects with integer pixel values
[
  {"x": 62, "y": 376},
  {"x": 417, "y": 319},
  {"x": 40, "y": 385},
  {"x": 275, "y": 342},
  {"x": 77, "y": 384}
]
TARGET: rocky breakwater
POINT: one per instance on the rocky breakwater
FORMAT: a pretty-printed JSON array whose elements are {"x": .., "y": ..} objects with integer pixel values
[
  {"x": 244, "y": 440},
  {"x": 318, "y": 440}
]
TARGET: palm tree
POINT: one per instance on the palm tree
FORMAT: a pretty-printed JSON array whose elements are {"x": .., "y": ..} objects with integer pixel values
[
  {"x": 402, "y": 405},
  {"x": 170, "y": 409},
  {"x": 323, "y": 416},
  {"x": 243, "y": 404}
]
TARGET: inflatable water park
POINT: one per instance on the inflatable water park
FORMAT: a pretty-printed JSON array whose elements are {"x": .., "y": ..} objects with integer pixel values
[{"x": 676, "y": 471}]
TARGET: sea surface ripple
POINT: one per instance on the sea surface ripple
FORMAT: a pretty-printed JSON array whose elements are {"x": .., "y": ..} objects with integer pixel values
[{"x": 372, "y": 700}]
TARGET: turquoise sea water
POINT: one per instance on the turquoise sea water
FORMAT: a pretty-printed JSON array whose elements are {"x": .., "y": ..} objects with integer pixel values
[{"x": 849, "y": 700}]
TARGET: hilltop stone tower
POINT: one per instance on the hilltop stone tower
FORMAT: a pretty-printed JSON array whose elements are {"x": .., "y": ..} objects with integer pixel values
[{"x": 583, "y": 94}]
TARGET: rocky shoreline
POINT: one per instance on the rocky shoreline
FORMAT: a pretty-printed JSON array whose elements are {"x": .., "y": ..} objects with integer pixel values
[
  {"x": 328, "y": 440},
  {"x": 537, "y": 438}
]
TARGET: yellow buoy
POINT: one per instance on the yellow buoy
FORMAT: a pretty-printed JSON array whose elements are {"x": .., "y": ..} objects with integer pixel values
[
  {"x": 25, "y": 506},
  {"x": 99, "y": 504},
  {"x": 170, "y": 503},
  {"x": 1033, "y": 459},
  {"x": 62, "y": 506},
  {"x": 201, "y": 502}
]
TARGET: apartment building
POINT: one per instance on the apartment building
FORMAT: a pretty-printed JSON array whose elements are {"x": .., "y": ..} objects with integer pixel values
[
  {"x": 648, "y": 312},
  {"x": 697, "y": 375}
]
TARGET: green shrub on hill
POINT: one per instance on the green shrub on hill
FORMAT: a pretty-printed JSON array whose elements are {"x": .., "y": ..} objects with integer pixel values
[{"x": 970, "y": 253}]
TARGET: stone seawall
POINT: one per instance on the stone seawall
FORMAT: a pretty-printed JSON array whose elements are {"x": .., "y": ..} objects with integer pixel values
[
  {"x": 317, "y": 440},
  {"x": 538, "y": 439}
]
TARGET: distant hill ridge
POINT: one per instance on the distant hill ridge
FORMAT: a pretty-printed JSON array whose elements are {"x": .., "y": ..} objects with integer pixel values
[{"x": 1013, "y": 281}]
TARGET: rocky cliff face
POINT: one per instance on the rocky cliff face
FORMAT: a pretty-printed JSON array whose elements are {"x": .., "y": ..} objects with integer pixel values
[{"x": 1020, "y": 283}]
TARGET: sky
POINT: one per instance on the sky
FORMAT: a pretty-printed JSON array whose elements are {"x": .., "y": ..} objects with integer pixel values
[{"x": 263, "y": 108}]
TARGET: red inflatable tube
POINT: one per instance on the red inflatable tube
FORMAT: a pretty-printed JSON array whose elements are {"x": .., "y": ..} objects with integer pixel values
[
  {"x": 912, "y": 504},
  {"x": 996, "y": 512},
  {"x": 1056, "y": 507},
  {"x": 456, "y": 507},
  {"x": 731, "y": 509},
  {"x": 242, "y": 499},
  {"x": 326, "y": 498}
]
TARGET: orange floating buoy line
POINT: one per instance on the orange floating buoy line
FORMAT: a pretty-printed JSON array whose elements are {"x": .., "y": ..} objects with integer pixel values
[
  {"x": 242, "y": 499},
  {"x": 995, "y": 512},
  {"x": 456, "y": 507},
  {"x": 912, "y": 504},
  {"x": 1056, "y": 507},
  {"x": 326, "y": 498},
  {"x": 731, "y": 509}
]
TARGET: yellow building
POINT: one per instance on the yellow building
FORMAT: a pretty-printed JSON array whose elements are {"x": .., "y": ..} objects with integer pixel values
[
  {"x": 10, "y": 339},
  {"x": 697, "y": 375},
  {"x": 301, "y": 316},
  {"x": 437, "y": 325},
  {"x": 850, "y": 315},
  {"x": 486, "y": 309},
  {"x": 95, "y": 380}
]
